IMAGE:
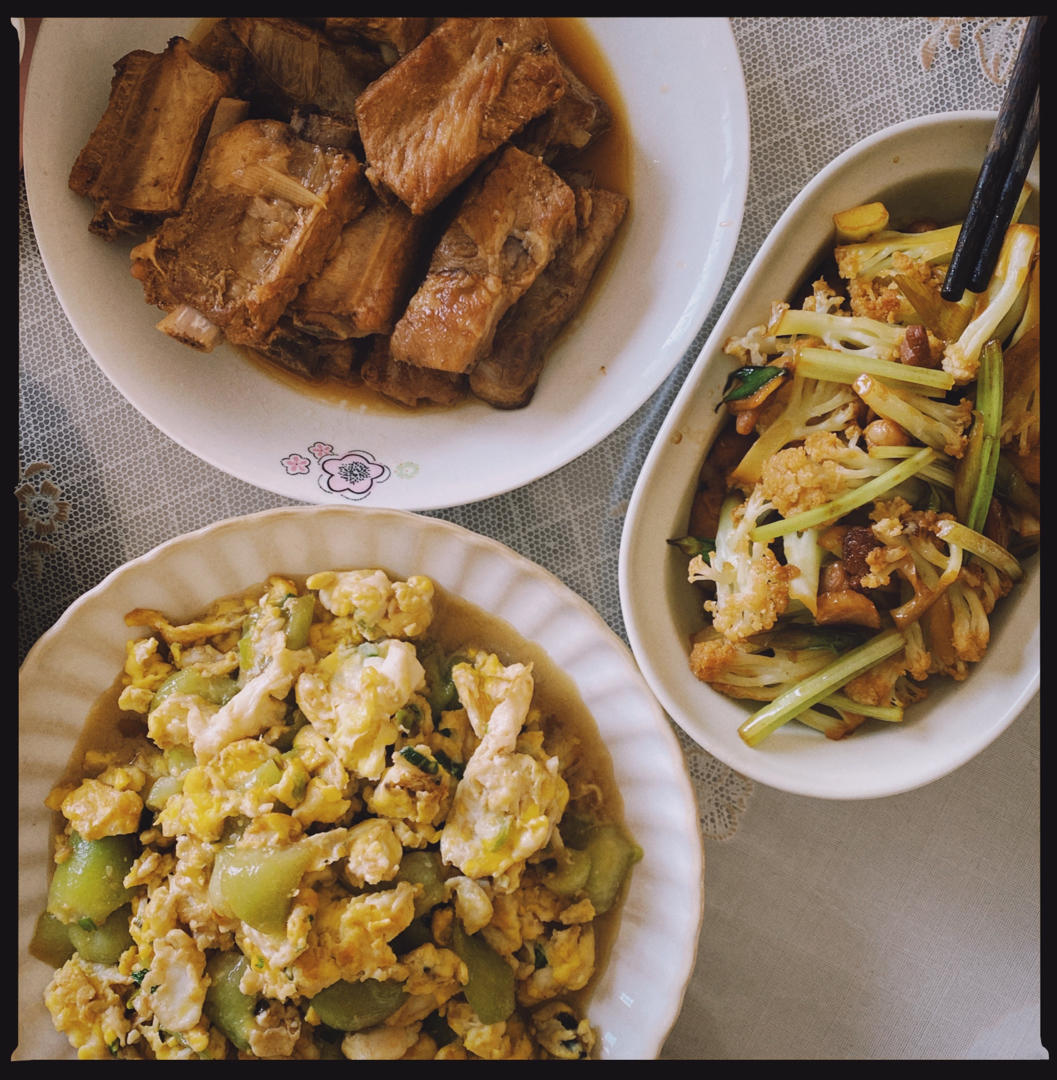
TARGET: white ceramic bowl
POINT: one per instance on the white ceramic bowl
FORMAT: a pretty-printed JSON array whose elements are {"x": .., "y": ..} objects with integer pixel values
[
  {"x": 921, "y": 168},
  {"x": 639, "y": 994},
  {"x": 682, "y": 89}
]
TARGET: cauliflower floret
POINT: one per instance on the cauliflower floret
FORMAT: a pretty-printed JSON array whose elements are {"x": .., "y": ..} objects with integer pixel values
[
  {"x": 870, "y": 267},
  {"x": 756, "y": 347},
  {"x": 881, "y": 297},
  {"x": 932, "y": 421},
  {"x": 811, "y": 405},
  {"x": 886, "y": 683},
  {"x": 752, "y": 587},
  {"x": 972, "y": 631},
  {"x": 910, "y": 547},
  {"x": 824, "y": 299},
  {"x": 507, "y": 804},
  {"x": 842, "y": 333},
  {"x": 801, "y": 478},
  {"x": 955, "y": 631},
  {"x": 351, "y": 696},
  {"x": 741, "y": 670},
  {"x": 961, "y": 358}
]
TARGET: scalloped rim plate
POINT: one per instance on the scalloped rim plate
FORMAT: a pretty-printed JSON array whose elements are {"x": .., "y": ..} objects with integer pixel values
[
  {"x": 923, "y": 168},
  {"x": 684, "y": 96},
  {"x": 640, "y": 992}
]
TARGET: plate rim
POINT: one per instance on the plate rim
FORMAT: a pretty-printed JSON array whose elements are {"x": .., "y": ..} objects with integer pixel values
[
  {"x": 675, "y": 768},
  {"x": 407, "y": 489}
]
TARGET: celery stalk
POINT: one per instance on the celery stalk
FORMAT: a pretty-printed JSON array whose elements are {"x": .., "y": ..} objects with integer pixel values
[
  {"x": 850, "y": 500},
  {"x": 989, "y": 407},
  {"x": 955, "y": 533},
  {"x": 821, "y": 685},
  {"x": 892, "y": 714},
  {"x": 836, "y": 366}
]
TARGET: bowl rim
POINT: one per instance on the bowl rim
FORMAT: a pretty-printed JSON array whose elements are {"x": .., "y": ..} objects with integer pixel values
[
  {"x": 639, "y": 629},
  {"x": 667, "y": 761}
]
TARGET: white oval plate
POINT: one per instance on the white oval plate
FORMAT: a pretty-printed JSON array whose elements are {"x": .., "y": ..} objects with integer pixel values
[
  {"x": 684, "y": 95},
  {"x": 640, "y": 992},
  {"x": 922, "y": 168}
]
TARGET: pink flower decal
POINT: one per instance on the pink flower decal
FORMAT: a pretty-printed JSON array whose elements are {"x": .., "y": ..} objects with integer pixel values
[
  {"x": 320, "y": 450},
  {"x": 352, "y": 475},
  {"x": 295, "y": 464}
]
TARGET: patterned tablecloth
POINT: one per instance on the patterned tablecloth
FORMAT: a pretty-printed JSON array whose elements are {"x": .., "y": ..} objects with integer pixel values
[{"x": 900, "y": 928}]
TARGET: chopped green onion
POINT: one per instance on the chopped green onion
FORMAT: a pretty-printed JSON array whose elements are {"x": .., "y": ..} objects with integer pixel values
[
  {"x": 822, "y": 684},
  {"x": 420, "y": 761},
  {"x": 455, "y": 768},
  {"x": 850, "y": 500}
]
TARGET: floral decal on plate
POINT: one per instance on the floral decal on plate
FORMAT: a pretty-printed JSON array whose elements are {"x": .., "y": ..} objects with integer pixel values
[{"x": 352, "y": 474}]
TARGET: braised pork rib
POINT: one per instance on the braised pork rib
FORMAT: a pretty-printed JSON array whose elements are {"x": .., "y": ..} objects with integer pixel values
[
  {"x": 397, "y": 202},
  {"x": 506, "y": 231},
  {"x": 139, "y": 162},
  {"x": 263, "y": 212},
  {"x": 365, "y": 283},
  {"x": 444, "y": 107},
  {"x": 507, "y": 376}
]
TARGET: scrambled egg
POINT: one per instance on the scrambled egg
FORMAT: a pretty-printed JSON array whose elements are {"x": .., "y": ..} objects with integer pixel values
[{"x": 331, "y": 838}]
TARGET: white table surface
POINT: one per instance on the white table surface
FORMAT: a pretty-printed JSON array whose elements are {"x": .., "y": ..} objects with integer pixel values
[{"x": 898, "y": 928}]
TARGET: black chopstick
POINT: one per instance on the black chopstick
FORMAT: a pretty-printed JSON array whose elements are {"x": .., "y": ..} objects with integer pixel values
[
  {"x": 1007, "y": 200},
  {"x": 1002, "y": 174}
]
